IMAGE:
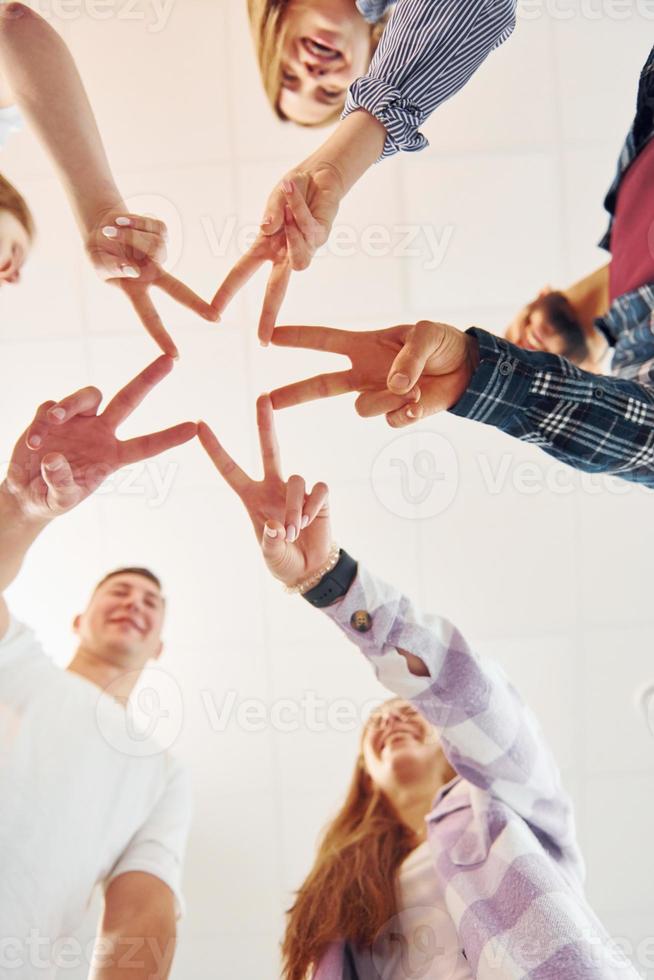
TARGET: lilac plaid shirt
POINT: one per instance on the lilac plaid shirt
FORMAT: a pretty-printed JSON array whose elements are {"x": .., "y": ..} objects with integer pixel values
[{"x": 504, "y": 843}]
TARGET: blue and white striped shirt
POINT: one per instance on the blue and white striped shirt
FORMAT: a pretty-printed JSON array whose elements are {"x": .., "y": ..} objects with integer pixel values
[{"x": 428, "y": 51}]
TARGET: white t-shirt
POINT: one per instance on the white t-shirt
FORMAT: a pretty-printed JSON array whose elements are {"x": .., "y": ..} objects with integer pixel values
[{"x": 77, "y": 807}]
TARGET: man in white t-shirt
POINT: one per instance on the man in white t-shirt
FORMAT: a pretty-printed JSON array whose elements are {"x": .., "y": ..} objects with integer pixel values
[{"x": 83, "y": 801}]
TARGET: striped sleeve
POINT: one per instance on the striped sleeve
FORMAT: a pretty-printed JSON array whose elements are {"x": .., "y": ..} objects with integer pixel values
[
  {"x": 592, "y": 422},
  {"x": 489, "y": 735},
  {"x": 428, "y": 51}
]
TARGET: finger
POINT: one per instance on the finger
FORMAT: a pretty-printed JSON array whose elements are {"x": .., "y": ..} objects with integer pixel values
[
  {"x": 302, "y": 215},
  {"x": 143, "y": 243},
  {"x": 86, "y": 401},
  {"x": 144, "y": 447},
  {"x": 142, "y": 223},
  {"x": 373, "y": 403},
  {"x": 147, "y": 314},
  {"x": 295, "y": 492},
  {"x": 314, "y": 504},
  {"x": 273, "y": 542},
  {"x": 180, "y": 292},
  {"x": 63, "y": 492},
  {"x": 273, "y": 299},
  {"x": 422, "y": 342},
  {"x": 237, "y": 479},
  {"x": 315, "y": 338},
  {"x": 405, "y": 416},
  {"x": 130, "y": 397},
  {"x": 273, "y": 219},
  {"x": 38, "y": 427},
  {"x": 320, "y": 386},
  {"x": 298, "y": 249},
  {"x": 272, "y": 462},
  {"x": 237, "y": 278}
]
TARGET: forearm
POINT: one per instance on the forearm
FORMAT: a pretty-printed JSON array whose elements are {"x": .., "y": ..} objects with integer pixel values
[
  {"x": 590, "y": 296},
  {"x": 466, "y": 698},
  {"x": 140, "y": 950},
  {"x": 40, "y": 71},
  {"x": 353, "y": 147},
  {"x": 598, "y": 425},
  {"x": 17, "y": 534}
]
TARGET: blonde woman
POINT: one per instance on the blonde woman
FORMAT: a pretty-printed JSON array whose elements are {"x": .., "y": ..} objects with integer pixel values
[
  {"x": 39, "y": 75},
  {"x": 318, "y": 57},
  {"x": 454, "y": 855}
]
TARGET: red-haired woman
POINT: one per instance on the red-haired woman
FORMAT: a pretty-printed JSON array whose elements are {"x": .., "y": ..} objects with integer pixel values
[
  {"x": 388, "y": 66},
  {"x": 454, "y": 855},
  {"x": 39, "y": 75}
]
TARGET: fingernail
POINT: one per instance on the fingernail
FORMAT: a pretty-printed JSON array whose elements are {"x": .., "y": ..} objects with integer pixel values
[
  {"x": 266, "y": 220},
  {"x": 110, "y": 232},
  {"x": 129, "y": 272},
  {"x": 35, "y": 441},
  {"x": 271, "y": 532},
  {"x": 58, "y": 413},
  {"x": 287, "y": 186},
  {"x": 305, "y": 521},
  {"x": 399, "y": 381},
  {"x": 291, "y": 533},
  {"x": 53, "y": 464},
  {"x": 410, "y": 413},
  {"x": 264, "y": 343},
  {"x": 123, "y": 222}
]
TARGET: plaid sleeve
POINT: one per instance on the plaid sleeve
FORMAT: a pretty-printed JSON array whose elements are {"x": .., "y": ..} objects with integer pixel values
[
  {"x": 595, "y": 423},
  {"x": 488, "y": 734},
  {"x": 428, "y": 51}
]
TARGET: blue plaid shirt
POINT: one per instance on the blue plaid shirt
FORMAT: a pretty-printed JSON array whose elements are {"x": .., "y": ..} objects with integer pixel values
[{"x": 594, "y": 423}]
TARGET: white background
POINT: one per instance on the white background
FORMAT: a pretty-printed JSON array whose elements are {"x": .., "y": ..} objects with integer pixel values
[{"x": 551, "y": 577}]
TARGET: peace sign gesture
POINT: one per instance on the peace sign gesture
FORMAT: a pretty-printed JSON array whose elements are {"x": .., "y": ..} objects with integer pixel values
[
  {"x": 127, "y": 250},
  {"x": 299, "y": 216},
  {"x": 292, "y": 526},
  {"x": 405, "y": 372},
  {"x": 69, "y": 449}
]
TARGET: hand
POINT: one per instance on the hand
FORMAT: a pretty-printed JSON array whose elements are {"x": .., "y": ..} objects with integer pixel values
[
  {"x": 299, "y": 217},
  {"x": 292, "y": 526},
  {"x": 69, "y": 449},
  {"x": 127, "y": 250},
  {"x": 405, "y": 372}
]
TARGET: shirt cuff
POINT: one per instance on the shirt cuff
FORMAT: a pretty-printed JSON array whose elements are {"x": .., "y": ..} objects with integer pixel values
[
  {"x": 380, "y": 620},
  {"x": 501, "y": 384},
  {"x": 400, "y": 117}
]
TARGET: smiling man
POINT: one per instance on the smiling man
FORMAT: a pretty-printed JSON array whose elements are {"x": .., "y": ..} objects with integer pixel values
[{"x": 86, "y": 800}]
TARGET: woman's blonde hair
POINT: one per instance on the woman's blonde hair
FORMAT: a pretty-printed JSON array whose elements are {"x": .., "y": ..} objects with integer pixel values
[
  {"x": 14, "y": 202},
  {"x": 350, "y": 891},
  {"x": 267, "y": 25}
]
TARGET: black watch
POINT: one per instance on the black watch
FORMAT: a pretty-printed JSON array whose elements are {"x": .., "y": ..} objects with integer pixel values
[{"x": 334, "y": 584}]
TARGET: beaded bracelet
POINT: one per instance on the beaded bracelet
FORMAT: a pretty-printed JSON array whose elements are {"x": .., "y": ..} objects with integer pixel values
[{"x": 331, "y": 563}]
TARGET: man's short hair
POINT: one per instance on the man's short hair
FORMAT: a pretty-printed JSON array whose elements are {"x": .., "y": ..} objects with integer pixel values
[{"x": 145, "y": 572}]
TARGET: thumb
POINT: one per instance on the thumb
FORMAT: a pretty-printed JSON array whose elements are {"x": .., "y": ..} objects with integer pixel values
[
  {"x": 273, "y": 544},
  {"x": 273, "y": 219},
  {"x": 423, "y": 340},
  {"x": 63, "y": 492}
]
